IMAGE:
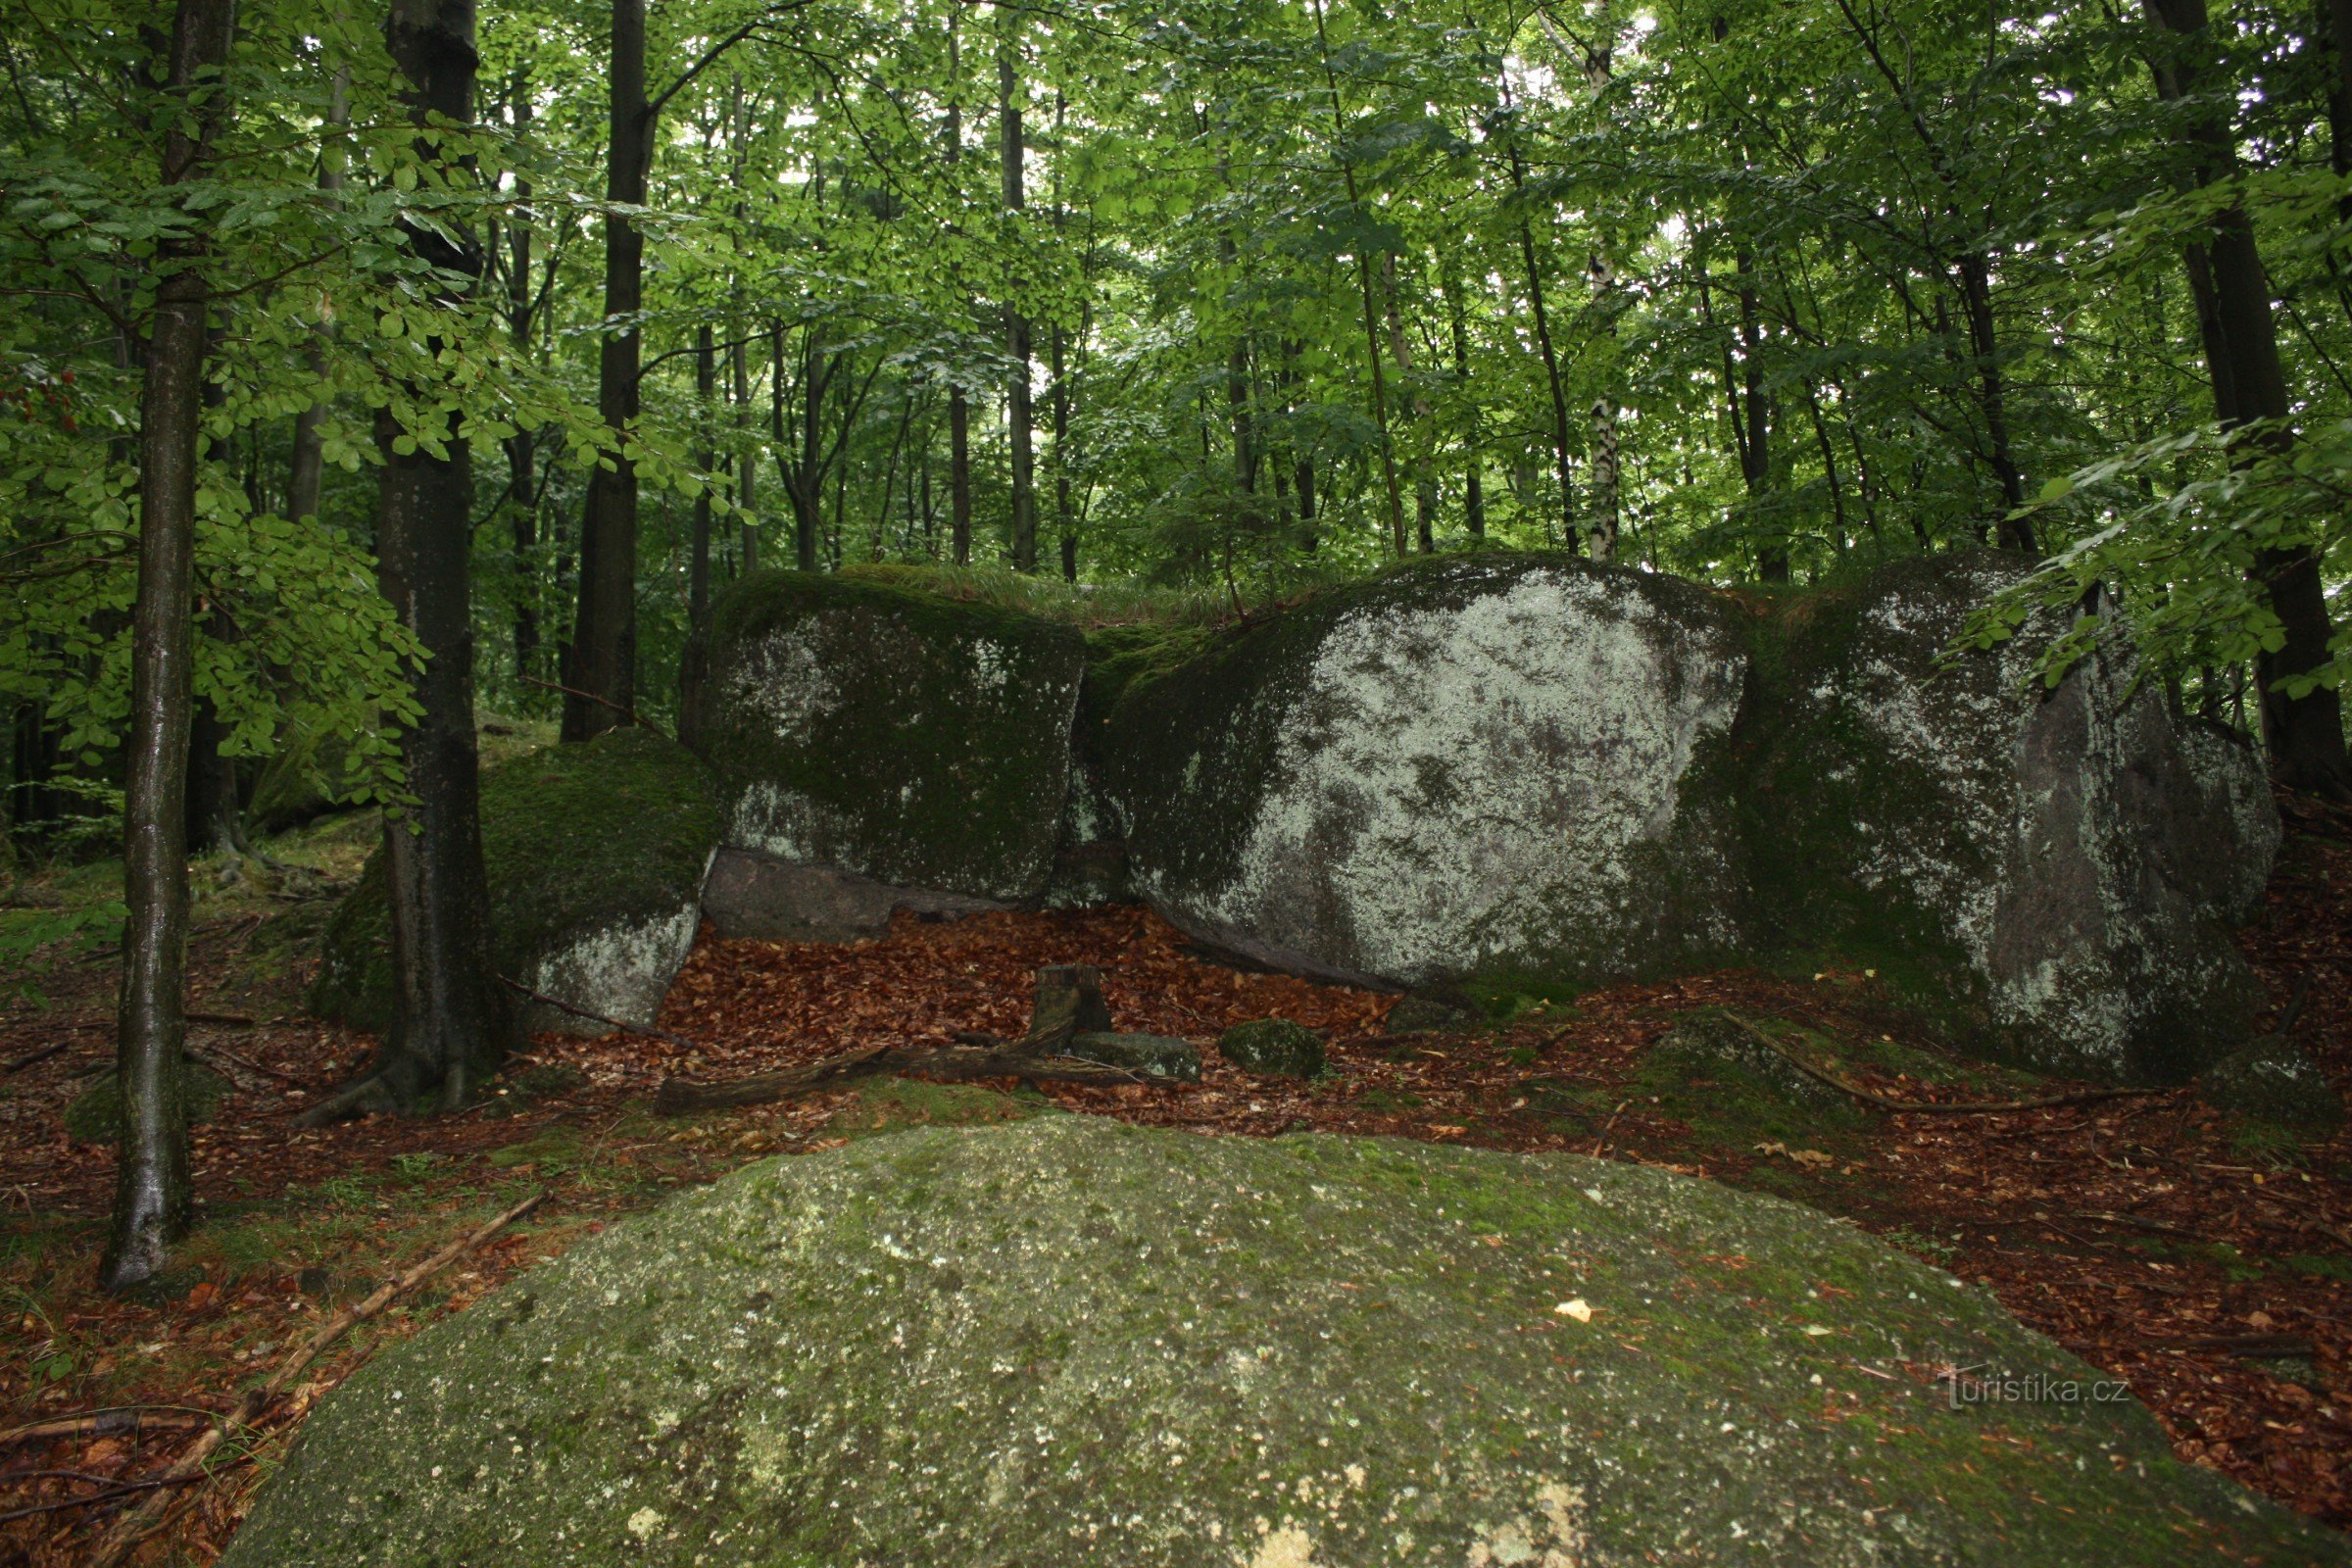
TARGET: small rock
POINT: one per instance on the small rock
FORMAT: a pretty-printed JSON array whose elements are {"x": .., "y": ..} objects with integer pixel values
[
  {"x": 2273, "y": 1079},
  {"x": 1711, "y": 1043},
  {"x": 1153, "y": 1055},
  {"x": 1419, "y": 1015},
  {"x": 1273, "y": 1046}
]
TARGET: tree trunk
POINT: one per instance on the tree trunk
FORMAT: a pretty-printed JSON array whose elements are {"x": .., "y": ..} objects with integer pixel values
[
  {"x": 451, "y": 1023},
  {"x": 1400, "y": 348},
  {"x": 603, "y": 640},
  {"x": 151, "y": 1167},
  {"x": 1063, "y": 522},
  {"x": 960, "y": 410},
  {"x": 1562, "y": 470},
  {"x": 1019, "y": 417},
  {"x": 692, "y": 659},
  {"x": 1751, "y": 415},
  {"x": 2305, "y": 735},
  {"x": 522, "y": 446},
  {"x": 1363, "y": 277},
  {"x": 307, "y": 468},
  {"x": 1473, "y": 496}
]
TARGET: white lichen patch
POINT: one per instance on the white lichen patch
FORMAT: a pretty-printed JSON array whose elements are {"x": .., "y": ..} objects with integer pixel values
[
  {"x": 621, "y": 970},
  {"x": 1480, "y": 779}
]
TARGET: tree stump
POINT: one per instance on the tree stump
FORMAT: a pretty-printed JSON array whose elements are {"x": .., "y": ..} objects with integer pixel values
[{"x": 1070, "y": 1002}]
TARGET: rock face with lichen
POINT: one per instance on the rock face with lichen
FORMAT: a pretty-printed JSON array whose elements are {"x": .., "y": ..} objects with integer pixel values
[
  {"x": 1067, "y": 1341},
  {"x": 2048, "y": 873},
  {"x": 902, "y": 736},
  {"x": 596, "y": 856},
  {"x": 1485, "y": 761}
]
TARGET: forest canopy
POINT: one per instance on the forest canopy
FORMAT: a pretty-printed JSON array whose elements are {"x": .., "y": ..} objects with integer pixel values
[{"x": 1219, "y": 297}]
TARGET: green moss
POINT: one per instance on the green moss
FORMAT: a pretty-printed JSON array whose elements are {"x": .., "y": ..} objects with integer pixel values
[
  {"x": 913, "y": 738},
  {"x": 95, "y": 1115},
  {"x": 574, "y": 838},
  {"x": 1068, "y": 1341},
  {"x": 1736, "y": 1094},
  {"x": 1273, "y": 1046},
  {"x": 893, "y": 1105}
]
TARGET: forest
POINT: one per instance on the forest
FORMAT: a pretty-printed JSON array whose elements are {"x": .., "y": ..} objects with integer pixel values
[{"x": 391, "y": 389}]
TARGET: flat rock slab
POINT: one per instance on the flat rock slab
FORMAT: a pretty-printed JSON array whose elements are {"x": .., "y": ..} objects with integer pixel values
[
  {"x": 1067, "y": 1341},
  {"x": 751, "y": 895}
]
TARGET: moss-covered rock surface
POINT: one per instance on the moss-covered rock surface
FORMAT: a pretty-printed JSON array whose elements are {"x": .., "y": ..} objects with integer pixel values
[
  {"x": 1067, "y": 1341},
  {"x": 595, "y": 855},
  {"x": 2047, "y": 873},
  {"x": 908, "y": 737},
  {"x": 1480, "y": 762}
]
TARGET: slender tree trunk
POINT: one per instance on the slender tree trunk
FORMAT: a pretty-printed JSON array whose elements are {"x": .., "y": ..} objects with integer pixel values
[
  {"x": 151, "y": 1166},
  {"x": 960, "y": 410},
  {"x": 306, "y": 468},
  {"x": 522, "y": 446},
  {"x": 1425, "y": 482},
  {"x": 1020, "y": 418},
  {"x": 1474, "y": 494},
  {"x": 747, "y": 467},
  {"x": 1562, "y": 470},
  {"x": 1065, "y": 523},
  {"x": 1364, "y": 276},
  {"x": 604, "y": 639},
  {"x": 2305, "y": 735},
  {"x": 1752, "y": 417},
  {"x": 1607, "y": 500},
  {"x": 693, "y": 658},
  {"x": 451, "y": 1023}
]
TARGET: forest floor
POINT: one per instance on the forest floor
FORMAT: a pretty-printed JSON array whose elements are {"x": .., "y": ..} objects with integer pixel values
[{"x": 2206, "y": 1261}]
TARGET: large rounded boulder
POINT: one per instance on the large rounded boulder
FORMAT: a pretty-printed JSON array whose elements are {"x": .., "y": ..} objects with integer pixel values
[
  {"x": 595, "y": 854},
  {"x": 2049, "y": 872},
  {"x": 1066, "y": 1341},
  {"x": 865, "y": 724},
  {"x": 1482, "y": 763}
]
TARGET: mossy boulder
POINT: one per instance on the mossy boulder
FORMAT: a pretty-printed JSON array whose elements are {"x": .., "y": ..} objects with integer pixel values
[
  {"x": 1475, "y": 763},
  {"x": 1067, "y": 1341},
  {"x": 2273, "y": 1079},
  {"x": 1276, "y": 1047},
  {"x": 914, "y": 739},
  {"x": 1712, "y": 1044},
  {"x": 595, "y": 854},
  {"x": 2046, "y": 872}
]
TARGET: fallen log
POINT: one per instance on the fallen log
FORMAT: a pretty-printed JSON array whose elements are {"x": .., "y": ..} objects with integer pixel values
[
  {"x": 1947, "y": 1108},
  {"x": 679, "y": 1097}
]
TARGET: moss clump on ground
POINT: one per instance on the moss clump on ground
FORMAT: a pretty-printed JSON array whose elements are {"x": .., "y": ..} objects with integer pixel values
[
  {"x": 95, "y": 1115},
  {"x": 1276, "y": 1047},
  {"x": 1070, "y": 1341},
  {"x": 909, "y": 737},
  {"x": 578, "y": 840},
  {"x": 1735, "y": 1092}
]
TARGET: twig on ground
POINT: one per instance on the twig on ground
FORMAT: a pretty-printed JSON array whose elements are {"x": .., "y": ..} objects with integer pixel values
[
  {"x": 108, "y": 1422},
  {"x": 134, "y": 1526},
  {"x": 1949, "y": 1107}
]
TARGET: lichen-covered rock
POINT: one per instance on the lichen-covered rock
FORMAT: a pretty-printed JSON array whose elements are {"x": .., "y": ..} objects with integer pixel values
[
  {"x": 870, "y": 726},
  {"x": 1475, "y": 763},
  {"x": 2237, "y": 830},
  {"x": 1421, "y": 1015},
  {"x": 756, "y": 896},
  {"x": 1065, "y": 1340},
  {"x": 2042, "y": 870},
  {"x": 1711, "y": 1043},
  {"x": 2273, "y": 1079},
  {"x": 1276, "y": 1047},
  {"x": 595, "y": 855}
]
